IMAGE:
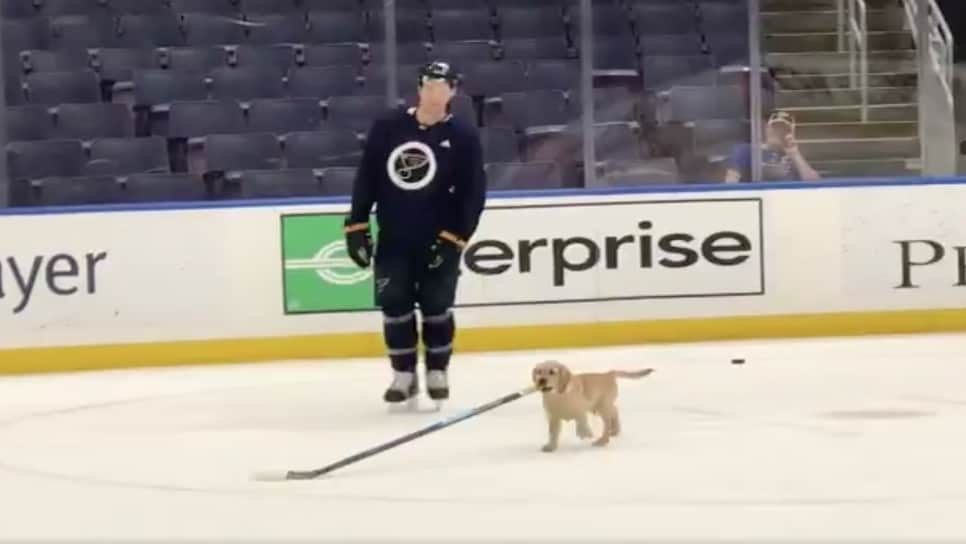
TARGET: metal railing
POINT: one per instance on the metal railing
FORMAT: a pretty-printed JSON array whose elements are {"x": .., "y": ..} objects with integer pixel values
[
  {"x": 853, "y": 33},
  {"x": 941, "y": 42}
]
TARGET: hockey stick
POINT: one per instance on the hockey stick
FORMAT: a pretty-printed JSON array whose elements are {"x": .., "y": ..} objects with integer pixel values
[{"x": 278, "y": 476}]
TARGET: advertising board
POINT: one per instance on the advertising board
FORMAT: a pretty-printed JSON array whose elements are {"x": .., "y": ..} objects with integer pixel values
[
  {"x": 272, "y": 280},
  {"x": 554, "y": 253}
]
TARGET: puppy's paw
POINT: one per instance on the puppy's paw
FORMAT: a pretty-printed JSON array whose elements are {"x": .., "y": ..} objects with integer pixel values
[
  {"x": 584, "y": 433},
  {"x": 602, "y": 441},
  {"x": 547, "y": 448}
]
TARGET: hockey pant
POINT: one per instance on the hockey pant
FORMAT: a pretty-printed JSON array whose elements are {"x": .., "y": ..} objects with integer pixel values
[{"x": 401, "y": 284}]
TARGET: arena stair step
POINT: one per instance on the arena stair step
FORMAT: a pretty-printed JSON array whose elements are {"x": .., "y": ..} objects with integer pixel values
[{"x": 813, "y": 83}]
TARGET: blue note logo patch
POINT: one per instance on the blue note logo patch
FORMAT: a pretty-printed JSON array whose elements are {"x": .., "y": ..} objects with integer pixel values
[{"x": 411, "y": 166}]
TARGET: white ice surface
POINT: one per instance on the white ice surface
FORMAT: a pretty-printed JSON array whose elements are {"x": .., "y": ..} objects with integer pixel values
[{"x": 809, "y": 439}]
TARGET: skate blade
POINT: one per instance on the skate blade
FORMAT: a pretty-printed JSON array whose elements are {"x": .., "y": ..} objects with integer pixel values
[
  {"x": 412, "y": 406},
  {"x": 405, "y": 407}
]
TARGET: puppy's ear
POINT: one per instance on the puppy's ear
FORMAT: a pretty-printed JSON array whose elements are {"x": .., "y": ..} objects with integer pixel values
[{"x": 564, "y": 379}]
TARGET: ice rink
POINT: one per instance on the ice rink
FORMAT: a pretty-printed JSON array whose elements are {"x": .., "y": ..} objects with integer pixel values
[{"x": 838, "y": 438}]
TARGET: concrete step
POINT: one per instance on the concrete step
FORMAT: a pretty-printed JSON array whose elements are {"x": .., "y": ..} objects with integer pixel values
[
  {"x": 865, "y": 148},
  {"x": 868, "y": 168},
  {"x": 827, "y": 20},
  {"x": 793, "y": 42},
  {"x": 844, "y": 97},
  {"x": 853, "y": 114},
  {"x": 849, "y": 130},
  {"x": 836, "y": 63},
  {"x": 841, "y": 80}
]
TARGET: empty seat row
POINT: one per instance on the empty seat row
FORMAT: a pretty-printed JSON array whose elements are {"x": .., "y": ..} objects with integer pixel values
[
  {"x": 78, "y": 31},
  {"x": 156, "y": 86},
  {"x": 299, "y": 182},
  {"x": 180, "y": 187},
  {"x": 69, "y": 157},
  {"x": 187, "y": 29},
  {"x": 118, "y": 64},
  {"x": 79, "y": 121},
  {"x": 33, "y": 8},
  {"x": 232, "y": 152}
]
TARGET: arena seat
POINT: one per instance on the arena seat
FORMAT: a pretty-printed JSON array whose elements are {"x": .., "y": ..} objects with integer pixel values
[
  {"x": 322, "y": 148},
  {"x": 165, "y": 187},
  {"x": 125, "y": 156},
  {"x": 29, "y": 122},
  {"x": 284, "y": 115},
  {"x": 91, "y": 121},
  {"x": 503, "y": 176},
  {"x": 138, "y": 79}
]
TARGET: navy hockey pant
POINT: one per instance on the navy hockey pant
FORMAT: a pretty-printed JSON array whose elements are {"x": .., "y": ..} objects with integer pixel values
[{"x": 402, "y": 283}]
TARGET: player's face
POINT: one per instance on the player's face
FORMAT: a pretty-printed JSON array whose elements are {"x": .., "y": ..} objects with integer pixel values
[{"x": 436, "y": 93}]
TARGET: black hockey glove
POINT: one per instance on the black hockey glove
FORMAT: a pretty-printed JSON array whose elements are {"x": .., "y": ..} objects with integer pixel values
[
  {"x": 445, "y": 251},
  {"x": 358, "y": 242}
]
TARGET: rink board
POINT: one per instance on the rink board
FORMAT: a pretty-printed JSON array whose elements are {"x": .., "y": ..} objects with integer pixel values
[{"x": 225, "y": 282}]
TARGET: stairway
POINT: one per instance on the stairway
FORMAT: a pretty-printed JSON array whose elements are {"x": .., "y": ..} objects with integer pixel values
[{"x": 799, "y": 44}]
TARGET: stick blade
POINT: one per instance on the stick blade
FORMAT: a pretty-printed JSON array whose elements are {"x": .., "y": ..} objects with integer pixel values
[{"x": 270, "y": 476}]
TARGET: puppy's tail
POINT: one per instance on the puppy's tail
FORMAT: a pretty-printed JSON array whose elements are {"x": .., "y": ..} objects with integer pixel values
[{"x": 633, "y": 374}]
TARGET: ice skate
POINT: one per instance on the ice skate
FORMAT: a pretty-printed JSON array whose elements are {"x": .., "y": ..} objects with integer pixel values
[
  {"x": 437, "y": 387},
  {"x": 402, "y": 392}
]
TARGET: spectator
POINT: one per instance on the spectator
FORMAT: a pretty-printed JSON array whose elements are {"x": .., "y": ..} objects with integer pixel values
[{"x": 781, "y": 158}]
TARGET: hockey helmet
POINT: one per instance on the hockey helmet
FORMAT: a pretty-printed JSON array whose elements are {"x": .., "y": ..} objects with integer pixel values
[{"x": 439, "y": 70}]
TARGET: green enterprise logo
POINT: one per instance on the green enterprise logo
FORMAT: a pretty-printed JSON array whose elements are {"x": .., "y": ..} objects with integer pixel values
[{"x": 318, "y": 275}]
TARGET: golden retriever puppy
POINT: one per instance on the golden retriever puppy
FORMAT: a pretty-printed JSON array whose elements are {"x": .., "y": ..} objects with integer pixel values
[{"x": 573, "y": 397}]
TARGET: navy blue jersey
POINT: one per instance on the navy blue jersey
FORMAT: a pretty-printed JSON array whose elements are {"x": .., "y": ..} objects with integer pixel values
[{"x": 422, "y": 180}]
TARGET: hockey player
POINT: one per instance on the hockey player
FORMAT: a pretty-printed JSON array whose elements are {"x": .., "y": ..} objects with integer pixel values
[{"x": 423, "y": 169}]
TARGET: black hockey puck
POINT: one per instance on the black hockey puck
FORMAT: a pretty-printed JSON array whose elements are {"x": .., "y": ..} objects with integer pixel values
[{"x": 737, "y": 361}]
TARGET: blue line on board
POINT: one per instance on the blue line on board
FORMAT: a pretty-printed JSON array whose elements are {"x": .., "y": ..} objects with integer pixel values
[{"x": 605, "y": 191}]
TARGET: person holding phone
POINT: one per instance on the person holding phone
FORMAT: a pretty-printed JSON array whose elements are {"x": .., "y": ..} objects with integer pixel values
[{"x": 782, "y": 159}]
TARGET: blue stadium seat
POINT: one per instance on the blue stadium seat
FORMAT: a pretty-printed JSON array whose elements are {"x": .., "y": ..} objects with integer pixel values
[
  {"x": 165, "y": 187},
  {"x": 285, "y": 115},
  {"x": 82, "y": 32},
  {"x": 278, "y": 28},
  {"x": 230, "y": 153},
  {"x": 247, "y": 83},
  {"x": 197, "y": 119},
  {"x": 55, "y": 60},
  {"x": 332, "y": 55},
  {"x": 203, "y": 29},
  {"x": 635, "y": 173},
  {"x": 157, "y": 89},
  {"x": 530, "y": 22},
  {"x": 355, "y": 112},
  {"x": 119, "y": 64},
  {"x": 502, "y": 176},
  {"x": 500, "y": 144},
  {"x": 77, "y": 191},
  {"x": 28, "y": 123},
  {"x": 46, "y": 158},
  {"x": 149, "y": 30},
  {"x": 52, "y": 88},
  {"x": 208, "y": 7},
  {"x": 90, "y": 121},
  {"x": 718, "y": 102},
  {"x": 323, "y": 81},
  {"x": 452, "y": 25},
  {"x": 322, "y": 148},
  {"x": 18, "y": 9},
  {"x": 285, "y": 183},
  {"x": 269, "y": 7},
  {"x": 125, "y": 156},
  {"x": 198, "y": 60},
  {"x": 335, "y": 27}
]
